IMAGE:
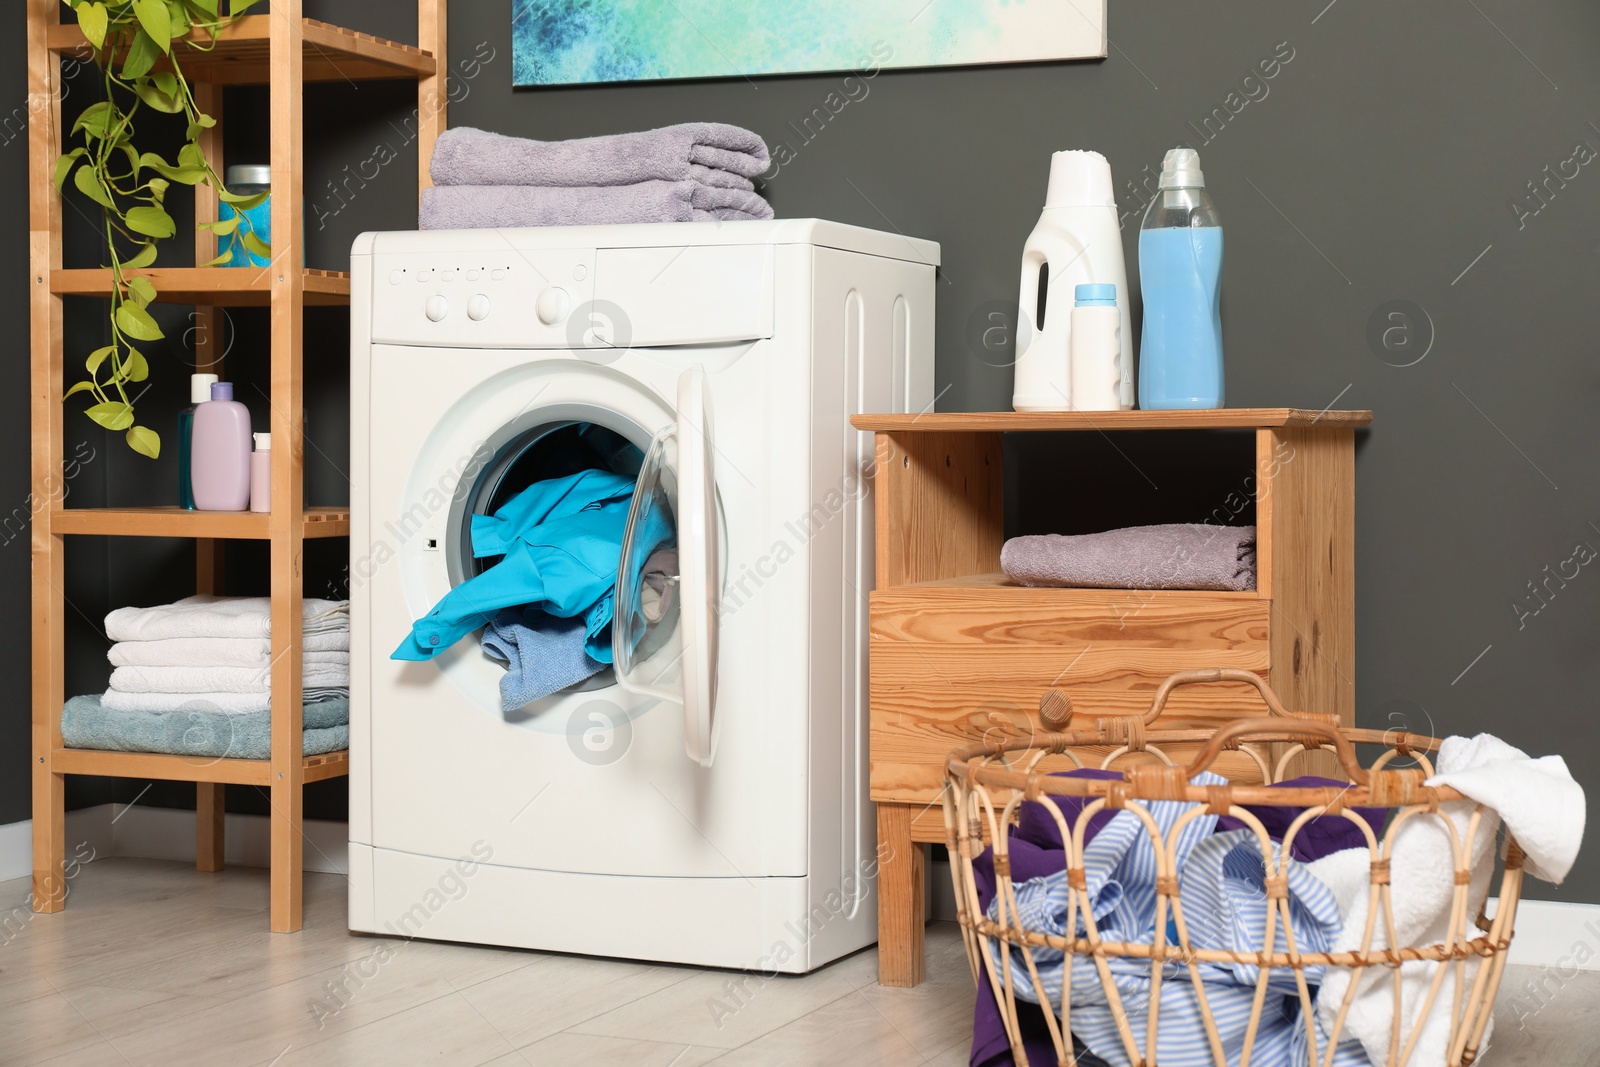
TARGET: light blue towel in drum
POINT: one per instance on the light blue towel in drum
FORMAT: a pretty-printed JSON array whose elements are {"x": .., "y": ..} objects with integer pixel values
[{"x": 542, "y": 654}]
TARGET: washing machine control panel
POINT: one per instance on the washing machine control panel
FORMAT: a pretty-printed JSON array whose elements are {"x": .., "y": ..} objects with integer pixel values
[{"x": 518, "y": 298}]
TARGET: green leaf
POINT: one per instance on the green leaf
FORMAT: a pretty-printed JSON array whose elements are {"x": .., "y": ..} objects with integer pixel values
[
  {"x": 150, "y": 221},
  {"x": 158, "y": 188},
  {"x": 136, "y": 322},
  {"x": 145, "y": 257},
  {"x": 97, "y": 357},
  {"x": 96, "y": 119},
  {"x": 144, "y": 441},
  {"x": 144, "y": 294},
  {"x": 239, "y": 7},
  {"x": 242, "y": 203},
  {"x": 90, "y": 186},
  {"x": 152, "y": 95},
  {"x": 133, "y": 160},
  {"x": 220, "y": 261},
  {"x": 208, "y": 7},
  {"x": 92, "y": 21},
  {"x": 166, "y": 81},
  {"x": 191, "y": 156},
  {"x": 156, "y": 21},
  {"x": 111, "y": 415},
  {"x": 142, "y": 56},
  {"x": 256, "y": 245},
  {"x": 81, "y": 387},
  {"x": 65, "y": 163},
  {"x": 222, "y": 227},
  {"x": 178, "y": 19},
  {"x": 134, "y": 368}
]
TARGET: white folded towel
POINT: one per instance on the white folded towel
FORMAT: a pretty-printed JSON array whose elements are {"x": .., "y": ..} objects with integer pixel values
[
  {"x": 215, "y": 616},
  {"x": 1543, "y": 806},
  {"x": 230, "y": 703},
  {"x": 331, "y": 647},
  {"x": 222, "y": 679}
]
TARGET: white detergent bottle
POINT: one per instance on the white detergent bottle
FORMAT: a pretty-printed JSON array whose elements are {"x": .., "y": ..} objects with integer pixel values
[{"x": 1077, "y": 242}]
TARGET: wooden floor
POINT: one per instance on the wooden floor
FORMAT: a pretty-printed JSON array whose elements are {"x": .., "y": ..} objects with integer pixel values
[{"x": 152, "y": 963}]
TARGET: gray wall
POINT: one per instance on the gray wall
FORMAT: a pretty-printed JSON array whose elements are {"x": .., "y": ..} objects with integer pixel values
[{"x": 1381, "y": 161}]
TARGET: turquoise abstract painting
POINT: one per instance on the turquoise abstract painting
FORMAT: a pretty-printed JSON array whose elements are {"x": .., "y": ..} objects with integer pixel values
[{"x": 571, "y": 42}]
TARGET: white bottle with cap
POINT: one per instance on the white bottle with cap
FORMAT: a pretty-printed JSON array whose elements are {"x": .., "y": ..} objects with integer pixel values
[
  {"x": 1096, "y": 349},
  {"x": 1076, "y": 242},
  {"x": 261, "y": 474}
]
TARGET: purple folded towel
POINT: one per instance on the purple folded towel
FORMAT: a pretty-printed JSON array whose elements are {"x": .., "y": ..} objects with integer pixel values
[
  {"x": 469, "y": 207},
  {"x": 708, "y": 152},
  {"x": 1174, "y": 556}
]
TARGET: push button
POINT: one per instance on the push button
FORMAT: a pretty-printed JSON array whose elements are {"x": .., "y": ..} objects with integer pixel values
[
  {"x": 478, "y": 308},
  {"x": 552, "y": 305},
  {"x": 436, "y": 308}
]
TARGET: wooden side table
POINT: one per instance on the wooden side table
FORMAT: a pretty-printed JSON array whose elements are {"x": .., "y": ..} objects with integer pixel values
[{"x": 952, "y": 636}]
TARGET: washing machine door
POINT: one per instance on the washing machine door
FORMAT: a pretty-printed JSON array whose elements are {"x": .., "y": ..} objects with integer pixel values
[{"x": 678, "y": 467}]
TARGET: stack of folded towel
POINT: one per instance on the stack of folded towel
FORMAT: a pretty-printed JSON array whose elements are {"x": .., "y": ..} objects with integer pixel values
[
  {"x": 1182, "y": 555},
  {"x": 216, "y": 653},
  {"x": 693, "y": 172}
]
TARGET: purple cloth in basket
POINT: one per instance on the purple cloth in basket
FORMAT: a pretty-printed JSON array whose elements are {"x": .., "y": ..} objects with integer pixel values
[
  {"x": 1037, "y": 850},
  {"x": 710, "y": 152},
  {"x": 479, "y": 207}
]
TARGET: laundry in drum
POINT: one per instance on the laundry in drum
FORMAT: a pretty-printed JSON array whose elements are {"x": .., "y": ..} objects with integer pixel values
[{"x": 561, "y": 542}]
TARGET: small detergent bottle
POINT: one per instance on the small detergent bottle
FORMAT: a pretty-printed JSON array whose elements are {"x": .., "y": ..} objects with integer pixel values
[
  {"x": 1180, "y": 273},
  {"x": 1077, "y": 241},
  {"x": 220, "y": 452},
  {"x": 261, "y": 474},
  {"x": 1096, "y": 349},
  {"x": 199, "y": 393}
]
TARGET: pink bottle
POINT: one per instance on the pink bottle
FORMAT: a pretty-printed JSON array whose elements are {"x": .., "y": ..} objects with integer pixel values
[{"x": 220, "y": 456}]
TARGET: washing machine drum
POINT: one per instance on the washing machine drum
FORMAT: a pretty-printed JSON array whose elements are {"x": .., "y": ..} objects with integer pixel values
[{"x": 525, "y": 456}]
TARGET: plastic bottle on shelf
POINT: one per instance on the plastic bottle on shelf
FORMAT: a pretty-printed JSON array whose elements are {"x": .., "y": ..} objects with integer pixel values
[
  {"x": 1096, "y": 349},
  {"x": 199, "y": 393},
  {"x": 1077, "y": 241},
  {"x": 1180, "y": 275},
  {"x": 220, "y": 452},
  {"x": 261, "y": 474}
]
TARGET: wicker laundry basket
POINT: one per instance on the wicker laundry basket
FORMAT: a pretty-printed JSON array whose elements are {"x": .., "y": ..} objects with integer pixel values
[{"x": 988, "y": 783}]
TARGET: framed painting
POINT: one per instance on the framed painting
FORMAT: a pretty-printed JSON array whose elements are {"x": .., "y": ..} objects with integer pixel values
[{"x": 576, "y": 42}]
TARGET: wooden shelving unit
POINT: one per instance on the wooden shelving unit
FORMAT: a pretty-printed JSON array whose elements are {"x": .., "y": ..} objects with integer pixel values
[
  {"x": 952, "y": 636},
  {"x": 284, "y": 51}
]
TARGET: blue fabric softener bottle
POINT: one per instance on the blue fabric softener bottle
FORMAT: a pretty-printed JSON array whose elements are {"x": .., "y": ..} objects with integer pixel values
[{"x": 1180, "y": 275}]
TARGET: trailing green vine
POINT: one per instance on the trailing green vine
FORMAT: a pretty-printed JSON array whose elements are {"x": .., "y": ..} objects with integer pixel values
[{"x": 130, "y": 39}]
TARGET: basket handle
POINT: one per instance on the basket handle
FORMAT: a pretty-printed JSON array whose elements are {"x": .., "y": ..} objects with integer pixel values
[
  {"x": 1222, "y": 674},
  {"x": 1240, "y": 728}
]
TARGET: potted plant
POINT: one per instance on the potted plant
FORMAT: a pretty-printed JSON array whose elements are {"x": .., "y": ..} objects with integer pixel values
[{"x": 136, "y": 48}]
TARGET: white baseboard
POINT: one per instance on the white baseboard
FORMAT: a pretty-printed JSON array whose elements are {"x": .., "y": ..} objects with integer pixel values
[
  {"x": 1550, "y": 933},
  {"x": 169, "y": 834}
]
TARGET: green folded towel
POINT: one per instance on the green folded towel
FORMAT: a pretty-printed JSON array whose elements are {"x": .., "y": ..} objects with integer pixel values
[{"x": 198, "y": 731}]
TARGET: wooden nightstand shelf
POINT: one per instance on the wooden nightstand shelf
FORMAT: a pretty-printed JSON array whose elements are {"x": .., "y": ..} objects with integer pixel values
[{"x": 952, "y": 636}]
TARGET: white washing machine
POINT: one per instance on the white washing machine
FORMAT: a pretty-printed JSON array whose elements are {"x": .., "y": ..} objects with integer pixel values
[{"x": 705, "y": 801}]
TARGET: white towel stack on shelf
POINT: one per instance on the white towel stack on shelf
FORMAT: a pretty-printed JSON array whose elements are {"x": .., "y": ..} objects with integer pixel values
[{"x": 216, "y": 653}]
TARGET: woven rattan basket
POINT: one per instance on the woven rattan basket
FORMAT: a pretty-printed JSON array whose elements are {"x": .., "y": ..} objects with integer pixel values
[{"x": 989, "y": 781}]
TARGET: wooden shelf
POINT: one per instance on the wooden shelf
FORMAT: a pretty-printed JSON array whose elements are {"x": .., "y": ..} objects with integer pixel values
[
  {"x": 191, "y": 768},
  {"x": 1017, "y": 421},
  {"x": 213, "y": 286},
  {"x": 180, "y": 522},
  {"x": 330, "y": 53}
]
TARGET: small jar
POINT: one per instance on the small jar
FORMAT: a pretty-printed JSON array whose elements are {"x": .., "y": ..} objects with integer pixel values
[{"x": 247, "y": 179}]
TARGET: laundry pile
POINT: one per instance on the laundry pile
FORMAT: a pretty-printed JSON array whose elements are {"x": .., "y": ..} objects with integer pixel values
[
  {"x": 693, "y": 172},
  {"x": 195, "y": 679},
  {"x": 216, "y": 652},
  {"x": 548, "y": 604},
  {"x": 1222, "y": 894},
  {"x": 1180, "y": 555}
]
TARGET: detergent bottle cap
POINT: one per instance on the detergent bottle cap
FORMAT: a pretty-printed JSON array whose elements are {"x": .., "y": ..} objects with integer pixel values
[
  {"x": 263, "y": 442},
  {"x": 200, "y": 387},
  {"x": 1181, "y": 170},
  {"x": 1096, "y": 295},
  {"x": 1080, "y": 179}
]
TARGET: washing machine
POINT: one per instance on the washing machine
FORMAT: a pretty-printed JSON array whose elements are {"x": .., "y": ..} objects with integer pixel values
[{"x": 704, "y": 798}]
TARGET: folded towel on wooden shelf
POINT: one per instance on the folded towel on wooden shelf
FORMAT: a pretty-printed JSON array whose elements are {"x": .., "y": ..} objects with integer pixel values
[
  {"x": 221, "y": 703},
  {"x": 1172, "y": 556},
  {"x": 217, "y": 616},
  {"x": 198, "y": 731},
  {"x": 709, "y": 152},
  {"x": 143, "y": 679},
  {"x": 477, "y": 207},
  {"x": 330, "y": 647}
]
